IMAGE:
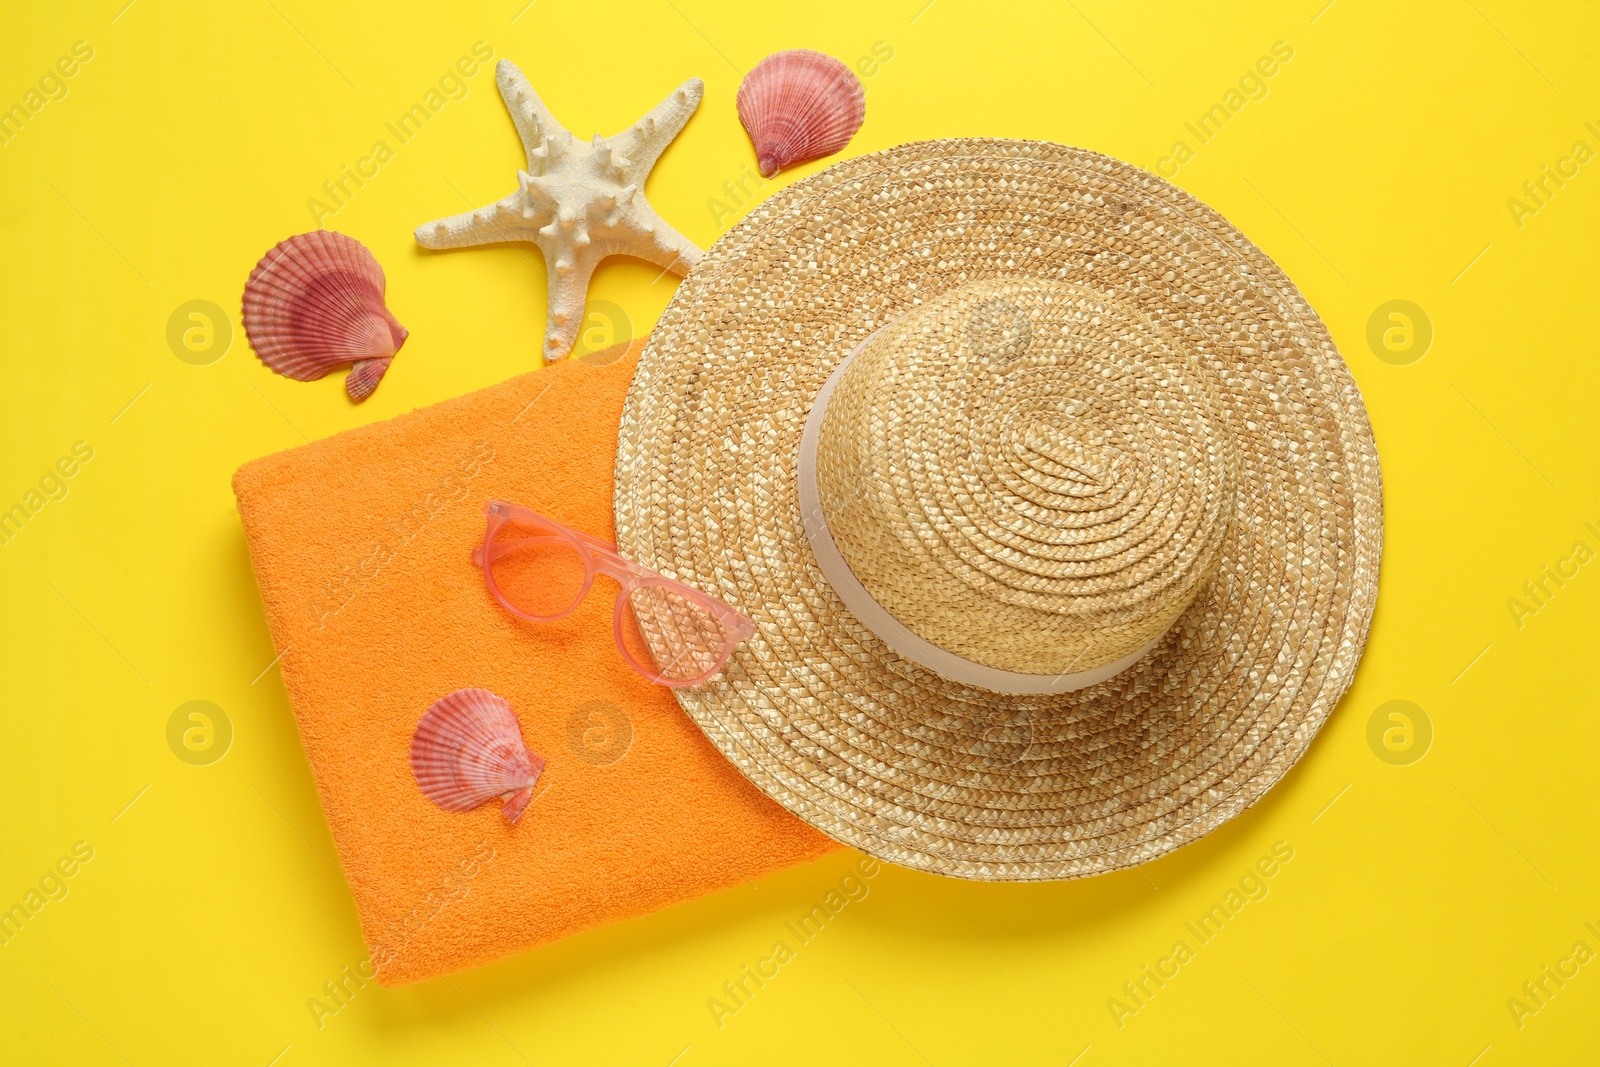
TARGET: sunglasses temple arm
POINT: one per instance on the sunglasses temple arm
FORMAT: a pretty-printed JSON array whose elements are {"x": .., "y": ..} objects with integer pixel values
[
  {"x": 500, "y": 548},
  {"x": 595, "y": 543}
]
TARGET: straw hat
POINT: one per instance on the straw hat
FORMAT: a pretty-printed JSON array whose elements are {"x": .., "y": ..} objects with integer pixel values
[{"x": 1055, "y": 506}]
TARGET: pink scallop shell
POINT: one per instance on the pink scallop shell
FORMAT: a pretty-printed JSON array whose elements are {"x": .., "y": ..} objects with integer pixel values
[
  {"x": 798, "y": 106},
  {"x": 468, "y": 749},
  {"x": 315, "y": 302}
]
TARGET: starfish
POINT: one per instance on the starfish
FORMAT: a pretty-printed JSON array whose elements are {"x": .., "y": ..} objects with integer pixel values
[{"x": 578, "y": 202}]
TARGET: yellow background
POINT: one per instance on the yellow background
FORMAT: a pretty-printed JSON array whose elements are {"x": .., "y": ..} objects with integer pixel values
[{"x": 1377, "y": 167}]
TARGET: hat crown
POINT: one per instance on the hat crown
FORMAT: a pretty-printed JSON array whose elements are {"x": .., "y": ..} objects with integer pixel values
[{"x": 1028, "y": 474}]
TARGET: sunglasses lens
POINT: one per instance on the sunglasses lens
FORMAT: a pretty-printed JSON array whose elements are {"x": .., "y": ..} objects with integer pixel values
[
  {"x": 682, "y": 639},
  {"x": 539, "y": 573}
]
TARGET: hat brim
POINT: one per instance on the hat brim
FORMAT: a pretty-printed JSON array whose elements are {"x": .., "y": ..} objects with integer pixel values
[{"x": 881, "y": 753}]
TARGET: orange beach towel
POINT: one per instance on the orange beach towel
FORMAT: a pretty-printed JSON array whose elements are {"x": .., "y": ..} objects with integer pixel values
[{"x": 360, "y": 545}]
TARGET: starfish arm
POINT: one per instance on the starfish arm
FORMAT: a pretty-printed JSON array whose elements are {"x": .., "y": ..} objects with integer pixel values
[
  {"x": 495, "y": 223},
  {"x": 665, "y": 246},
  {"x": 533, "y": 120},
  {"x": 570, "y": 271},
  {"x": 579, "y": 203},
  {"x": 643, "y": 142}
]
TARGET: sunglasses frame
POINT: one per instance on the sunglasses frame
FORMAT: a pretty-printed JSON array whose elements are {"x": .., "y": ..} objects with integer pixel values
[{"x": 601, "y": 558}]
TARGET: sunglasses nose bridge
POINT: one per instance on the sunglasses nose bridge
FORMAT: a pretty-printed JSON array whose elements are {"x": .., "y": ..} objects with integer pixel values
[
  {"x": 601, "y": 558},
  {"x": 614, "y": 567}
]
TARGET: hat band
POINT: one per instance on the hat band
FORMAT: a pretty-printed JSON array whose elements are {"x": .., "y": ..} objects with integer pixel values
[{"x": 875, "y": 617}]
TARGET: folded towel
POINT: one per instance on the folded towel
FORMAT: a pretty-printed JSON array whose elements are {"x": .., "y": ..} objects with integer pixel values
[{"x": 361, "y": 546}]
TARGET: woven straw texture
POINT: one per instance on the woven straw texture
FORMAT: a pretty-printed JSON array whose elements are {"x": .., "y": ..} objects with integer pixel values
[
  {"x": 887, "y": 756},
  {"x": 1028, "y": 475}
]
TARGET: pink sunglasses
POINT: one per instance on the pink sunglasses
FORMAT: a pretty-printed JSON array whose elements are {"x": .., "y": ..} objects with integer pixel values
[{"x": 541, "y": 570}]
